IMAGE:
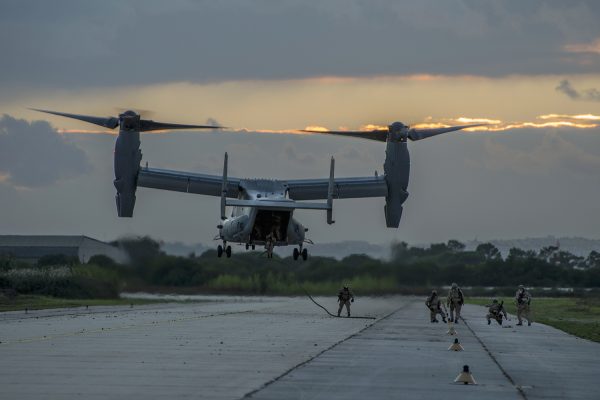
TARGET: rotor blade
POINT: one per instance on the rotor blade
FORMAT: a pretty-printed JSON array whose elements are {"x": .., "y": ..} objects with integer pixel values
[
  {"x": 418, "y": 134},
  {"x": 379, "y": 135},
  {"x": 149, "y": 125},
  {"x": 108, "y": 122}
]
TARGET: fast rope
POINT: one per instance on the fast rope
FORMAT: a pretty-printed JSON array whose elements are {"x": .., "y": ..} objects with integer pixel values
[{"x": 327, "y": 311}]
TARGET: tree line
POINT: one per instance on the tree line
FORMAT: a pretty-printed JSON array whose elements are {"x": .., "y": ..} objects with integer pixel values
[{"x": 409, "y": 270}]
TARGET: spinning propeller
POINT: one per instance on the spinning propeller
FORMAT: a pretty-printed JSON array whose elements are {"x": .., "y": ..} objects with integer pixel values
[
  {"x": 128, "y": 120},
  {"x": 396, "y": 132}
]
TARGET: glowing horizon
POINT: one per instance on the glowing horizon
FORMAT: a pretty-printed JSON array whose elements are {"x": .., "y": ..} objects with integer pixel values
[{"x": 491, "y": 125}]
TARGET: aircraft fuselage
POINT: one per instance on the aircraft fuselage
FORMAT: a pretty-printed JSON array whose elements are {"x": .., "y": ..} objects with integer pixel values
[{"x": 269, "y": 220}]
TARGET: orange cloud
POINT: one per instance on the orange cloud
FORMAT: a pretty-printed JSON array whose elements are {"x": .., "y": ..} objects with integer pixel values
[
  {"x": 593, "y": 47},
  {"x": 466, "y": 120},
  {"x": 589, "y": 117},
  {"x": 496, "y": 125},
  {"x": 373, "y": 127},
  {"x": 315, "y": 128}
]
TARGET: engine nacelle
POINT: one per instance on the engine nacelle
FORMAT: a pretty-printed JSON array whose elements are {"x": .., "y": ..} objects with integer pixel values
[
  {"x": 295, "y": 232},
  {"x": 127, "y": 165},
  {"x": 236, "y": 229},
  {"x": 397, "y": 171}
]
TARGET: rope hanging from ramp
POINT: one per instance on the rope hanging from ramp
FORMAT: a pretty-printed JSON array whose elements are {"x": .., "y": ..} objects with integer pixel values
[{"x": 327, "y": 311}]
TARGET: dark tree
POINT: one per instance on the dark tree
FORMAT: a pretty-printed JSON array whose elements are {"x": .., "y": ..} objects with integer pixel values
[
  {"x": 455, "y": 246},
  {"x": 489, "y": 251}
]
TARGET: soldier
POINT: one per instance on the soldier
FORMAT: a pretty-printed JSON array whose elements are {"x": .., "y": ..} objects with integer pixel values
[
  {"x": 345, "y": 297},
  {"x": 496, "y": 310},
  {"x": 435, "y": 305},
  {"x": 523, "y": 300},
  {"x": 270, "y": 244},
  {"x": 455, "y": 301}
]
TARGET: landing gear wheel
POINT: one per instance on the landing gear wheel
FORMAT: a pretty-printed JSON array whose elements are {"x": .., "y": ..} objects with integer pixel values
[
  {"x": 304, "y": 254},
  {"x": 252, "y": 247},
  {"x": 295, "y": 254},
  {"x": 219, "y": 251},
  {"x": 247, "y": 246},
  {"x": 228, "y": 251}
]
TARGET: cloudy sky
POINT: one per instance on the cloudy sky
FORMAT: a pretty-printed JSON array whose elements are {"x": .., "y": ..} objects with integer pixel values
[{"x": 530, "y": 69}]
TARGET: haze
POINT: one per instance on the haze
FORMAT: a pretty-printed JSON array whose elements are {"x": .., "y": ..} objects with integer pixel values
[{"x": 528, "y": 69}]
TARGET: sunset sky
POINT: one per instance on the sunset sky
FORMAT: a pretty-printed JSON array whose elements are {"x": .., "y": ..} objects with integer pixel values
[{"x": 530, "y": 70}]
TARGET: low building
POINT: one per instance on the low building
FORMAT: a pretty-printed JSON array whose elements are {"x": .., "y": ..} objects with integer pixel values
[{"x": 30, "y": 248}]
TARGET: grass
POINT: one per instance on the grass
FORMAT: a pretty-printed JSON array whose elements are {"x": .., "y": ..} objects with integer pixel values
[
  {"x": 36, "y": 302},
  {"x": 579, "y": 316}
]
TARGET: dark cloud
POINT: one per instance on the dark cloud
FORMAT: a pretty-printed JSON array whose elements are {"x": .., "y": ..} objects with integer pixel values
[
  {"x": 212, "y": 122},
  {"x": 35, "y": 154},
  {"x": 69, "y": 43},
  {"x": 553, "y": 152},
  {"x": 565, "y": 87},
  {"x": 291, "y": 153}
]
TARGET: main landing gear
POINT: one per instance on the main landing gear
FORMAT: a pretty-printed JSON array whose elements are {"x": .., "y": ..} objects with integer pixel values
[
  {"x": 300, "y": 252},
  {"x": 220, "y": 250},
  {"x": 248, "y": 245}
]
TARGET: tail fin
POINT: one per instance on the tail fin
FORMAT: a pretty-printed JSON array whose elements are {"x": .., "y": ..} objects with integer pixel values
[
  {"x": 330, "y": 192},
  {"x": 224, "y": 188}
]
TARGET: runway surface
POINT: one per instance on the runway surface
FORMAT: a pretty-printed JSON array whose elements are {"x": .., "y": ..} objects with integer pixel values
[{"x": 284, "y": 348}]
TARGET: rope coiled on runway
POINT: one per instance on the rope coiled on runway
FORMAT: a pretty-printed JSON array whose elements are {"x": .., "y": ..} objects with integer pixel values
[{"x": 327, "y": 311}]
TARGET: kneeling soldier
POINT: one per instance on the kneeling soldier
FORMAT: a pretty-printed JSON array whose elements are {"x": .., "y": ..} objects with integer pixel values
[
  {"x": 496, "y": 310},
  {"x": 435, "y": 305}
]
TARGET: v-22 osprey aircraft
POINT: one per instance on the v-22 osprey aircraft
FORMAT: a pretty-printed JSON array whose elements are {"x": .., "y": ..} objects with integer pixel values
[{"x": 262, "y": 209}]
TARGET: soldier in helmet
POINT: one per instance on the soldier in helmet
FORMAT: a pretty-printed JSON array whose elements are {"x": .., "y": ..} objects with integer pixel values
[
  {"x": 455, "y": 302},
  {"x": 523, "y": 300},
  {"x": 345, "y": 297},
  {"x": 435, "y": 305},
  {"x": 496, "y": 311}
]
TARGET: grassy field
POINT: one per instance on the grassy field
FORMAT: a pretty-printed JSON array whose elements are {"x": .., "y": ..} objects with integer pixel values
[
  {"x": 577, "y": 316},
  {"x": 34, "y": 302}
]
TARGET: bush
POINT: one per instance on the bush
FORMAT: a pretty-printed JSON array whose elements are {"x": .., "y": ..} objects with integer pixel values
[
  {"x": 66, "y": 282},
  {"x": 57, "y": 259}
]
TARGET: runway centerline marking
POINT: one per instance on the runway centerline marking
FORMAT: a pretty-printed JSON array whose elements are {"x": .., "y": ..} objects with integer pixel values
[
  {"x": 489, "y": 353},
  {"x": 289, "y": 371}
]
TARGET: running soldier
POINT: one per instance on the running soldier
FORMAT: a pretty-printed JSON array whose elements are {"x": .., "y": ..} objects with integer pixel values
[
  {"x": 523, "y": 300},
  {"x": 435, "y": 305},
  {"x": 455, "y": 302},
  {"x": 345, "y": 297},
  {"x": 496, "y": 311}
]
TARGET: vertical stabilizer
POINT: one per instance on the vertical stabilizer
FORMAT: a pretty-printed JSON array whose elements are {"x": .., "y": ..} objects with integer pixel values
[
  {"x": 330, "y": 192},
  {"x": 224, "y": 188}
]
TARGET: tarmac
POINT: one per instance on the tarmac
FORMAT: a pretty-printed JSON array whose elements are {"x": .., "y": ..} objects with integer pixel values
[{"x": 284, "y": 348}]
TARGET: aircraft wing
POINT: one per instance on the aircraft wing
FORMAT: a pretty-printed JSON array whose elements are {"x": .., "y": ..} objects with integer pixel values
[
  {"x": 344, "y": 188},
  {"x": 209, "y": 185}
]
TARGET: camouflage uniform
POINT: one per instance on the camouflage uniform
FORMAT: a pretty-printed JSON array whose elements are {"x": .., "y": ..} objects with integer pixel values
[
  {"x": 523, "y": 300},
  {"x": 496, "y": 311},
  {"x": 435, "y": 305},
  {"x": 345, "y": 297},
  {"x": 455, "y": 301},
  {"x": 270, "y": 244}
]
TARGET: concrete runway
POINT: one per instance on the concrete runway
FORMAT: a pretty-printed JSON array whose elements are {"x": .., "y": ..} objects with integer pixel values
[{"x": 284, "y": 348}]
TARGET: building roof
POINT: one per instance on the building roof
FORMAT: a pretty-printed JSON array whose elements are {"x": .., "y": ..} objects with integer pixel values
[{"x": 44, "y": 240}]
